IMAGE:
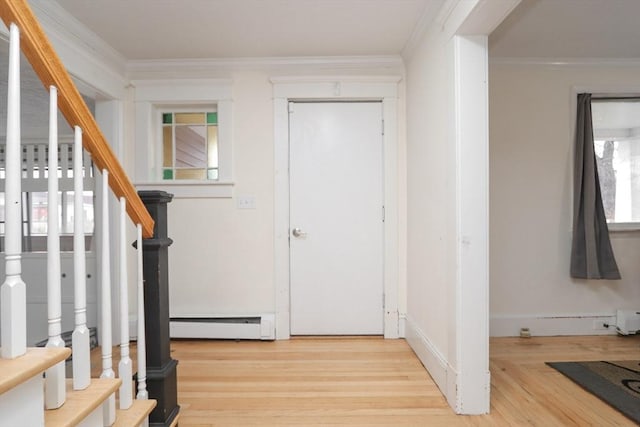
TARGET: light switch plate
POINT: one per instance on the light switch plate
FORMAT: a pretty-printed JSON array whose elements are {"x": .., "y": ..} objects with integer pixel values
[{"x": 246, "y": 202}]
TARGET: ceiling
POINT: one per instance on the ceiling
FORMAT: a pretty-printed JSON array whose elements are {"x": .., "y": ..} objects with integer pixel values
[
  {"x": 170, "y": 29},
  {"x": 196, "y": 29},
  {"x": 569, "y": 29}
]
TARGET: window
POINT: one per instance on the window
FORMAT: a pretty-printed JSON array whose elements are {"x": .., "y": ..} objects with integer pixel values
[
  {"x": 184, "y": 140},
  {"x": 616, "y": 132},
  {"x": 35, "y": 211},
  {"x": 190, "y": 145},
  {"x": 35, "y": 214}
]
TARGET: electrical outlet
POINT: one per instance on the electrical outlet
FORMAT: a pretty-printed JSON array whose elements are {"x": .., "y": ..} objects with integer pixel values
[{"x": 600, "y": 325}]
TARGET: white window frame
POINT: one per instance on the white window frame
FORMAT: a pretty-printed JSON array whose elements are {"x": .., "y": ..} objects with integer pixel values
[
  {"x": 600, "y": 91},
  {"x": 154, "y": 96}
]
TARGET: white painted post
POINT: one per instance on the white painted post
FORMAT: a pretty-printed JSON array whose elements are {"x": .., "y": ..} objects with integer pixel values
[
  {"x": 141, "y": 343},
  {"x": 13, "y": 326},
  {"x": 109, "y": 407},
  {"x": 80, "y": 339},
  {"x": 125, "y": 368},
  {"x": 54, "y": 384}
]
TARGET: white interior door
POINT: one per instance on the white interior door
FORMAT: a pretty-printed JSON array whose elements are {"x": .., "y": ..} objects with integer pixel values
[{"x": 336, "y": 218}]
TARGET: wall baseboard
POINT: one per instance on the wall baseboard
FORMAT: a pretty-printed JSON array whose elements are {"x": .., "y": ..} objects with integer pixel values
[
  {"x": 260, "y": 327},
  {"x": 434, "y": 362},
  {"x": 509, "y": 325}
]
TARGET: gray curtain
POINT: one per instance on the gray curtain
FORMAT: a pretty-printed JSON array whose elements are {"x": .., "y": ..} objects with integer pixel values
[{"x": 591, "y": 253}]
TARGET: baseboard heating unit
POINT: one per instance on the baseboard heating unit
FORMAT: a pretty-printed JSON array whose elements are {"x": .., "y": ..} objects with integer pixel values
[
  {"x": 627, "y": 322},
  {"x": 260, "y": 327}
]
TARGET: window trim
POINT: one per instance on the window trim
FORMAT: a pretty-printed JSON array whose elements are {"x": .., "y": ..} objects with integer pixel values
[
  {"x": 597, "y": 91},
  {"x": 153, "y": 96}
]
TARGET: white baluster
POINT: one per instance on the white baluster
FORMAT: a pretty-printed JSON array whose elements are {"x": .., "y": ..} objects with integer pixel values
[
  {"x": 81, "y": 336},
  {"x": 109, "y": 407},
  {"x": 55, "y": 376},
  {"x": 141, "y": 344},
  {"x": 13, "y": 334},
  {"x": 125, "y": 368}
]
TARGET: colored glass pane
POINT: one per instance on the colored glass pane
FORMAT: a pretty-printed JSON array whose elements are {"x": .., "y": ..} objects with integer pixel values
[
  {"x": 191, "y": 174},
  {"x": 212, "y": 174},
  {"x": 167, "y": 118},
  {"x": 167, "y": 146},
  {"x": 212, "y": 146},
  {"x": 190, "y": 118},
  {"x": 167, "y": 174},
  {"x": 212, "y": 118}
]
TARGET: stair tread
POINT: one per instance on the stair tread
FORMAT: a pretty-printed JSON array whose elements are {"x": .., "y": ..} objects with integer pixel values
[
  {"x": 80, "y": 403},
  {"x": 135, "y": 414},
  {"x": 36, "y": 360}
]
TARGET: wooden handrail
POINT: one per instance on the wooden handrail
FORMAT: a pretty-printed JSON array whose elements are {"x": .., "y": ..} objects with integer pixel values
[{"x": 49, "y": 68}]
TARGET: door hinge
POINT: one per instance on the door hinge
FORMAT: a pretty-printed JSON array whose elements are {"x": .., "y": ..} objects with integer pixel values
[
  {"x": 383, "y": 126},
  {"x": 290, "y": 107},
  {"x": 383, "y": 213}
]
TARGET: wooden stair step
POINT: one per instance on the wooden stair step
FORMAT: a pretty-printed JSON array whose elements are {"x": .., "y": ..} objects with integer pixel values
[
  {"x": 35, "y": 361},
  {"x": 81, "y": 403},
  {"x": 133, "y": 416},
  {"x": 174, "y": 423}
]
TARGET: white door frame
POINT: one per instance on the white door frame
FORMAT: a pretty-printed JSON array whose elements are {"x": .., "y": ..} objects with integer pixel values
[{"x": 378, "y": 88}]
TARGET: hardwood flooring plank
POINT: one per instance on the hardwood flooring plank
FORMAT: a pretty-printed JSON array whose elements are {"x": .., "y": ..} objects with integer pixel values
[{"x": 365, "y": 381}]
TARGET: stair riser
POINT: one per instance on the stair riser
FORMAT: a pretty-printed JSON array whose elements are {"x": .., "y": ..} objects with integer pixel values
[
  {"x": 23, "y": 405},
  {"x": 94, "y": 419}
]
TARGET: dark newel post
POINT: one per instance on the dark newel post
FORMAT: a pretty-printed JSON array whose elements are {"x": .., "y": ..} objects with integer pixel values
[{"x": 161, "y": 368}]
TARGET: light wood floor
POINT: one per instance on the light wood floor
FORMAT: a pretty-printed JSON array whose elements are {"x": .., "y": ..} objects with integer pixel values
[{"x": 376, "y": 382}]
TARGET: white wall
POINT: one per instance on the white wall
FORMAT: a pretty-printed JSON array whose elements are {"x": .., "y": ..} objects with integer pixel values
[
  {"x": 448, "y": 203},
  {"x": 221, "y": 261},
  {"x": 532, "y": 121},
  {"x": 430, "y": 201}
]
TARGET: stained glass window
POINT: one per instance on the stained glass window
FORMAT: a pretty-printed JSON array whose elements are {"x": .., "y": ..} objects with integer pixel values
[{"x": 190, "y": 145}]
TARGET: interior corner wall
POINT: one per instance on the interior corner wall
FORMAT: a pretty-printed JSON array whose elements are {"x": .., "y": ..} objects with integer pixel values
[
  {"x": 431, "y": 204},
  {"x": 532, "y": 120}
]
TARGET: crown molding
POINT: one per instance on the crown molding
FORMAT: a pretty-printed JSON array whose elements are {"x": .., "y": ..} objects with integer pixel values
[
  {"x": 566, "y": 62},
  {"x": 140, "y": 68},
  {"x": 428, "y": 17}
]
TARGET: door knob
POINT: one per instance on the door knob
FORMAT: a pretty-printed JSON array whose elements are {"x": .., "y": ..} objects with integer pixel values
[{"x": 298, "y": 233}]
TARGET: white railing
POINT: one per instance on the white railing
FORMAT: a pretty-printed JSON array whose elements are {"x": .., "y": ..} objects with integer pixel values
[{"x": 27, "y": 162}]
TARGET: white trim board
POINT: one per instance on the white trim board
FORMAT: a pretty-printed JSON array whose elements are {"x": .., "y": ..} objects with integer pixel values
[
  {"x": 222, "y": 66},
  {"x": 508, "y": 325},
  {"x": 346, "y": 88},
  {"x": 434, "y": 362}
]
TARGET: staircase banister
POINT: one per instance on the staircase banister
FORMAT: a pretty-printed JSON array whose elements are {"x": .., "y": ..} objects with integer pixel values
[{"x": 49, "y": 68}]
